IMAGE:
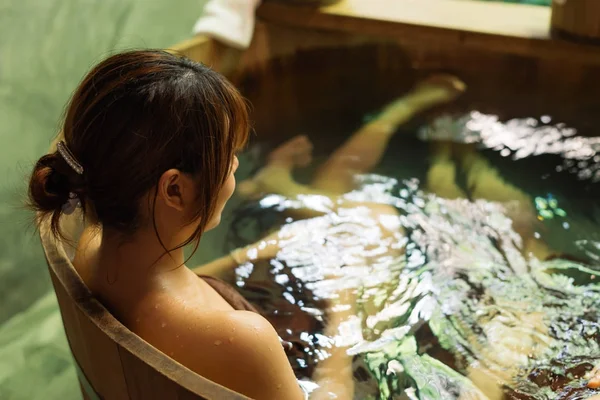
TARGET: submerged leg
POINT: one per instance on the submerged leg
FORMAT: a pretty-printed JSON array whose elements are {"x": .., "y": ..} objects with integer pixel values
[
  {"x": 441, "y": 176},
  {"x": 485, "y": 182},
  {"x": 364, "y": 149}
]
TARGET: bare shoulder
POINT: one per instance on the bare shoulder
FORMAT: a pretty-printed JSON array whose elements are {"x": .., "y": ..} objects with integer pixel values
[{"x": 238, "y": 349}]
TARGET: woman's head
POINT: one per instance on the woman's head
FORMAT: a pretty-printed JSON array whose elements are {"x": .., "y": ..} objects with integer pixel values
[{"x": 156, "y": 136}]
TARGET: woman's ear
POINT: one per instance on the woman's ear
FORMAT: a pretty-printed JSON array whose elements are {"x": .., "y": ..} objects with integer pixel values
[{"x": 174, "y": 189}]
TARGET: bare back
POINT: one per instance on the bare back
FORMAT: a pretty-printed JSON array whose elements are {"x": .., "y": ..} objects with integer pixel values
[{"x": 186, "y": 318}]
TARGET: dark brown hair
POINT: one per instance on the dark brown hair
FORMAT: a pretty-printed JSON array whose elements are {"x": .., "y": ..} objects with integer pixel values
[{"x": 134, "y": 116}]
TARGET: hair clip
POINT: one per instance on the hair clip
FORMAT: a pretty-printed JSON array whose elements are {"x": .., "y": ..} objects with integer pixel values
[{"x": 69, "y": 158}]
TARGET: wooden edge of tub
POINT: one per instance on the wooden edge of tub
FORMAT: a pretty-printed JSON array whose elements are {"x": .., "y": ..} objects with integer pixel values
[
  {"x": 508, "y": 28},
  {"x": 111, "y": 359}
]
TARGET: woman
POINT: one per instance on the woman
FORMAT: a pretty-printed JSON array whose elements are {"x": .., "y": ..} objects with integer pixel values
[{"x": 149, "y": 155}]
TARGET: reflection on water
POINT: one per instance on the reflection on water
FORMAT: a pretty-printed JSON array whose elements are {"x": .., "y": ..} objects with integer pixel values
[
  {"x": 445, "y": 305},
  {"x": 521, "y": 138}
]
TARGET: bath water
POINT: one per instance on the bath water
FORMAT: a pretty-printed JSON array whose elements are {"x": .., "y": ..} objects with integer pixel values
[{"x": 474, "y": 296}]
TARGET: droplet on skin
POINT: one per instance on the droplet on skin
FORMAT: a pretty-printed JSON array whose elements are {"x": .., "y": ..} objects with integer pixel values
[
  {"x": 156, "y": 306},
  {"x": 279, "y": 386},
  {"x": 163, "y": 324},
  {"x": 218, "y": 343},
  {"x": 231, "y": 339}
]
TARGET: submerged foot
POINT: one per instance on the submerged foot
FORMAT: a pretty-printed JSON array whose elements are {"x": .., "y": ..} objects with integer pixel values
[
  {"x": 275, "y": 176},
  {"x": 435, "y": 90},
  {"x": 440, "y": 88}
]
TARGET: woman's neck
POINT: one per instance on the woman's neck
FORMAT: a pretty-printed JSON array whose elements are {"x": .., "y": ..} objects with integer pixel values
[
  {"x": 140, "y": 258},
  {"x": 126, "y": 274}
]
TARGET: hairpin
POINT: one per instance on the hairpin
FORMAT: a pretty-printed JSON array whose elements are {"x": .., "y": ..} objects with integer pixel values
[{"x": 70, "y": 159}]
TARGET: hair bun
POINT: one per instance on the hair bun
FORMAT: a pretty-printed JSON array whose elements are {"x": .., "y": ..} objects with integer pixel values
[{"x": 48, "y": 188}]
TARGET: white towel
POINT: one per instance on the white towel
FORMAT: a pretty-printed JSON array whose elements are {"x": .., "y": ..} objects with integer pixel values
[{"x": 229, "y": 21}]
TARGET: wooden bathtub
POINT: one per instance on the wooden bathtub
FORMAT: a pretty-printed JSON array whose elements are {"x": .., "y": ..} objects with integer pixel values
[{"x": 338, "y": 60}]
